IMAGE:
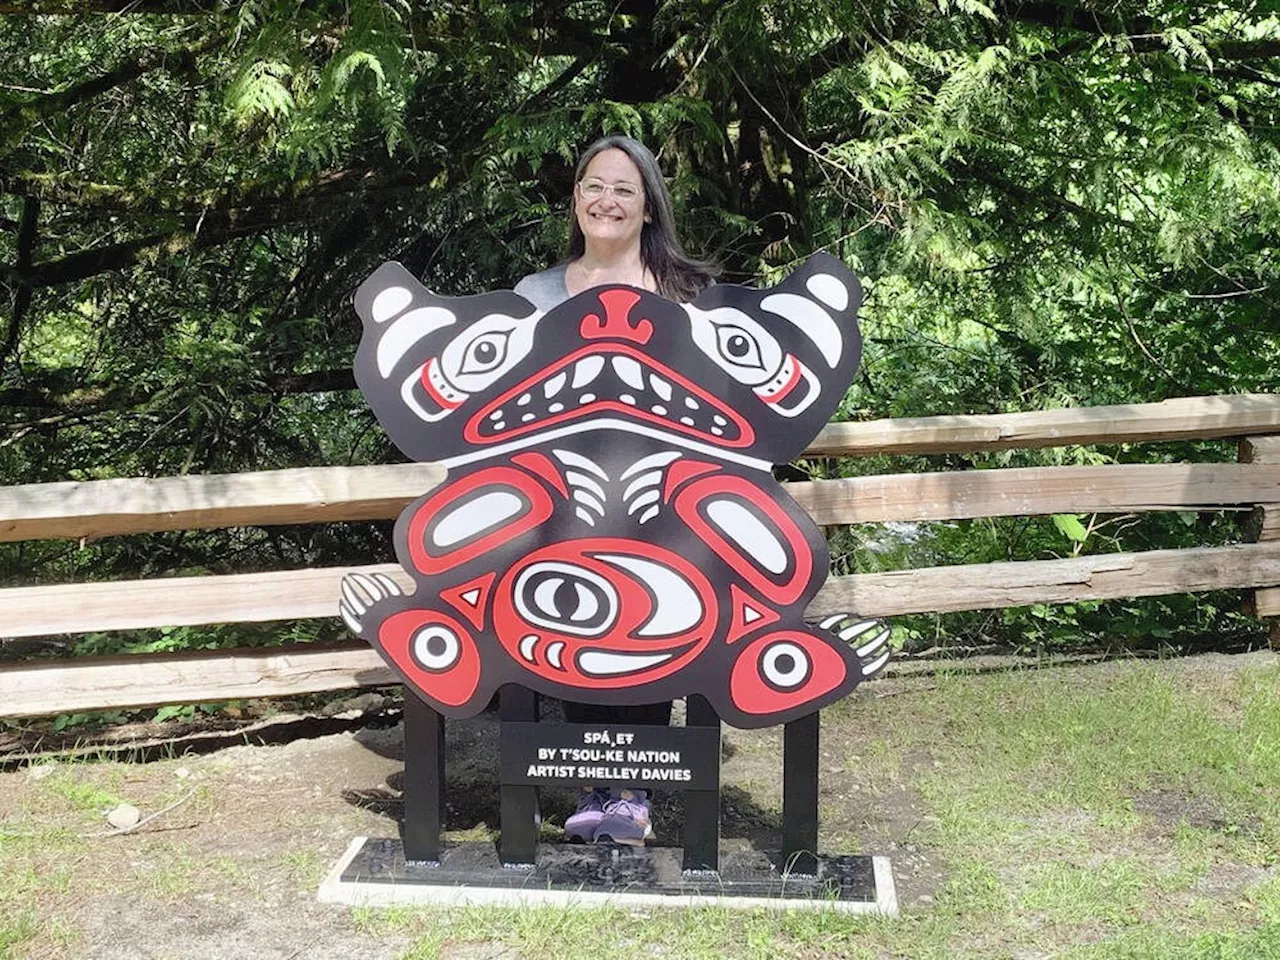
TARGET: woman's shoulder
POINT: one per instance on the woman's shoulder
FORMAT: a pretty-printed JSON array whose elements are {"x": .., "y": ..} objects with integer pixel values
[{"x": 544, "y": 289}]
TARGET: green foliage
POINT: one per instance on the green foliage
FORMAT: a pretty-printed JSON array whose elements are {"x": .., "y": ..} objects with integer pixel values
[{"x": 1051, "y": 205}]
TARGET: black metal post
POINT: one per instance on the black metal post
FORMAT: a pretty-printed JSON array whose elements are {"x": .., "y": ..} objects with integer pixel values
[
  {"x": 800, "y": 795},
  {"x": 518, "y": 805},
  {"x": 701, "y": 833},
  {"x": 423, "y": 780}
]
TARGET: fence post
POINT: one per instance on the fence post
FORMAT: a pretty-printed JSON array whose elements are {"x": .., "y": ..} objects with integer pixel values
[{"x": 1262, "y": 525}]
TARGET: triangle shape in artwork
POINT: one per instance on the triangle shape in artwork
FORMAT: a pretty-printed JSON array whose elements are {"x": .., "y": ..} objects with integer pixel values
[
  {"x": 749, "y": 614},
  {"x": 469, "y": 598}
]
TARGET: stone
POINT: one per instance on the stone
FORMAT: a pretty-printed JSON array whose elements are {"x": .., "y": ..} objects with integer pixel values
[{"x": 125, "y": 816}]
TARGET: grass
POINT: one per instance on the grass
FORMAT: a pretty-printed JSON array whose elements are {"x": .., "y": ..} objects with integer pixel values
[
  {"x": 1124, "y": 811},
  {"x": 1078, "y": 813}
]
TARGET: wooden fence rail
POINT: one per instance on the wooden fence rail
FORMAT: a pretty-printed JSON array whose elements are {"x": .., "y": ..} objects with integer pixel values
[{"x": 104, "y": 508}]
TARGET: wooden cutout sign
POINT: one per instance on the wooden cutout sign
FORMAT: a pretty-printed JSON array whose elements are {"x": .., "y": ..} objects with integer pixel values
[{"x": 610, "y": 531}]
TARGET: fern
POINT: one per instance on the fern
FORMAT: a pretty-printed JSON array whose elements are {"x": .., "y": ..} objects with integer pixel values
[{"x": 260, "y": 93}]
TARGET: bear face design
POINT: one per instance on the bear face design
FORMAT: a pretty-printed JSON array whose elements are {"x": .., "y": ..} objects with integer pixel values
[{"x": 610, "y": 531}]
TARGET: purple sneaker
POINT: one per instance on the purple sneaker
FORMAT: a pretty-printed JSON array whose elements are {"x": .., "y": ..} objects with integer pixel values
[
  {"x": 626, "y": 819},
  {"x": 581, "y": 825}
]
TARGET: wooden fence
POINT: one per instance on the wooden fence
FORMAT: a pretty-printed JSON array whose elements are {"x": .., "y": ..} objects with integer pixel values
[{"x": 317, "y": 495}]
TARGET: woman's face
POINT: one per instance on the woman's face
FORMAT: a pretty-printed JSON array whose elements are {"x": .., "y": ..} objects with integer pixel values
[{"x": 616, "y": 216}]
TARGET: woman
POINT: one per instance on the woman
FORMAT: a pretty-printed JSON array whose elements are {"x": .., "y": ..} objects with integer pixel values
[{"x": 621, "y": 230}]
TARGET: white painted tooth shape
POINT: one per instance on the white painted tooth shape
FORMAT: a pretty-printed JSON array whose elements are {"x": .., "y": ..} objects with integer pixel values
[
  {"x": 876, "y": 664},
  {"x": 648, "y": 479},
  {"x": 349, "y": 595},
  {"x": 372, "y": 589},
  {"x": 586, "y": 370},
  {"x": 553, "y": 655},
  {"x": 856, "y": 628},
  {"x": 629, "y": 372},
  {"x": 392, "y": 588},
  {"x": 527, "y": 643},
  {"x": 876, "y": 643},
  {"x": 691, "y": 403},
  {"x": 348, "y": 617},
  {"x": 571, "y": 459},
  {"x": 660, "y": 386},
  {"x": 524, "y": 400},
  {"x": 555, "y": 408},
  {"x": 554, "y": 385},
  {"x": 646, "y": 498}
]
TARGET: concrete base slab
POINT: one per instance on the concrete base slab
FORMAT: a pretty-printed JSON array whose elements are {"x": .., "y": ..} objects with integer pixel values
[{"x": 373, "y": 872}]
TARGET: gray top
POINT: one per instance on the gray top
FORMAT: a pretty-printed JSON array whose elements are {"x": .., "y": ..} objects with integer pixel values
[{"x": 545, "y": 289}]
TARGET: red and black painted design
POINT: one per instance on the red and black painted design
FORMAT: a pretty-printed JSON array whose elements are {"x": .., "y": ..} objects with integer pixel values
[{"x": 610, "y": 531}]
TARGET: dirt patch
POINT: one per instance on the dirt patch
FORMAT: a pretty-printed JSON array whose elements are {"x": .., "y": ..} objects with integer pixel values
[
  {"x": 232, "y": 870},
  {"x": 1170, "y": 808},
  {"x": 234, "y": 866}
]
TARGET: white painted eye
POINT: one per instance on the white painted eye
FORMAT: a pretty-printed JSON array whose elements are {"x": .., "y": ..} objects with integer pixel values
[
  {"x": 785, "y": 665},
  {"x": 738, "y": 346},
  {"x": 544, "y": 596},
  {"x": 567, "y": 598},
  {"x": 735, "y": 343},
  {"x": 676, "y": 606},
  {"x": 435, "y": 647},
  {"x": 588, "y": 604},
  {"x": 485, "y": 352}
]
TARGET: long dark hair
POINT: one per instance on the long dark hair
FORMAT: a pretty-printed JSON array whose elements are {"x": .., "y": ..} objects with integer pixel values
[{"x": 679, "y": 276}]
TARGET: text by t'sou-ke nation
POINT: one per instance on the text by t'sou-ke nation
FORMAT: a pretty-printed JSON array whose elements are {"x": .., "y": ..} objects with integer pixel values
[{"x": 634, "y": 755}]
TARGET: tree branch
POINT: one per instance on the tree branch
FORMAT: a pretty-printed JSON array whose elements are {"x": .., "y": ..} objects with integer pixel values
[
  {"x": 22, "y": 264},
  {"x": 76, "y": 7},
  {"x": 239, "y": 200},
  {"x": 94, "y": 399},
  {"x": 53, "y": 103},
  {"x": 1144, "y": 33},
  {"x": 200, "y": 229}
]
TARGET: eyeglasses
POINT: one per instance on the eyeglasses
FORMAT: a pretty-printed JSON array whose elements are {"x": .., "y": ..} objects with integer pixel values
[{"x": 593, "y": 189}]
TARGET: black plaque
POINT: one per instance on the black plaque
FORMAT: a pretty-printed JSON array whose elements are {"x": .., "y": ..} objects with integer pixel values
[{"x": 673, "y": 758}]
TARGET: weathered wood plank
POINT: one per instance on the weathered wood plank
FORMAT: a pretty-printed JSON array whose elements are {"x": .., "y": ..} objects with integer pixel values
[
  {"x": 32, "y": 689},
  {"x": 109, "y": 507},
  {"x": 98, "y": 508},
  {"x": 298, "y": 594},
  {"x": 1183, "y": 418},
  {"x": 992, "y": 586},
  {"x": 1262, "y": 525},
  {"x": 1260, "y": 450},
  {"x": 312, "y": 495},
  {"x": 97, "y": 683},
  {"x": 178, "y": 601},
  {"x": 1030, "y": 491}
]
